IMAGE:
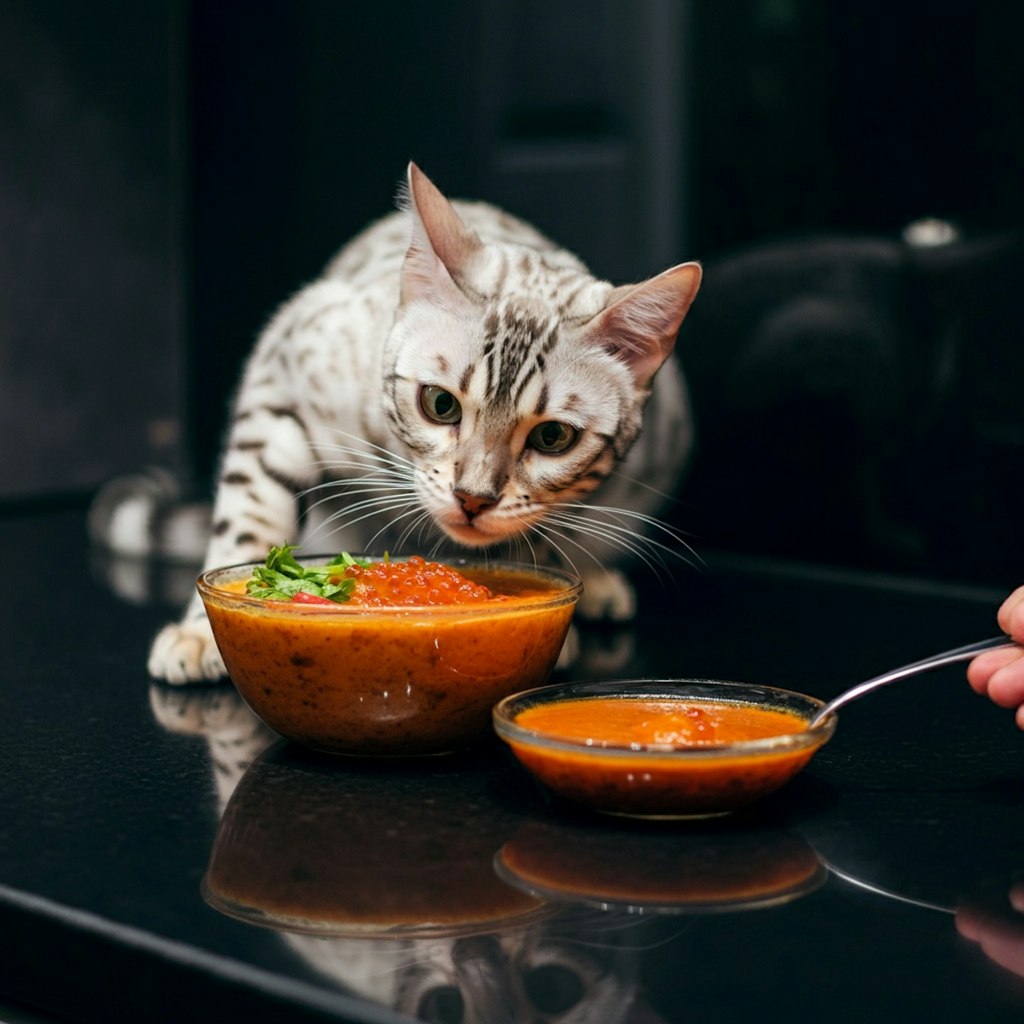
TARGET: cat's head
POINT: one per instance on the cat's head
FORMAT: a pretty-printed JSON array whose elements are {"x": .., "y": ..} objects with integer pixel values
[{"x": 514, "y": 378}]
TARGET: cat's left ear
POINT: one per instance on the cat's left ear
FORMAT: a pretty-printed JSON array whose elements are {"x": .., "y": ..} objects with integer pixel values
[
  {"x": 640, "y": 322},
  {"x": 441, "y": 245}
]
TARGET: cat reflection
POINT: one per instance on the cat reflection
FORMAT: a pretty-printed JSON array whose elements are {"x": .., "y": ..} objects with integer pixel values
[
  {"x": 533, "y": 972},
  {"x": 532, "y": 975}
]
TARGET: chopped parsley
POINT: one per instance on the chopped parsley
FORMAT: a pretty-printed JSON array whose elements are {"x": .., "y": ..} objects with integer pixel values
[{"x": 281, "y": 577}]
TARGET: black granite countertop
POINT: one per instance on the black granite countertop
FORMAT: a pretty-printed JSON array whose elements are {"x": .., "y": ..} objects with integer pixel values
[{"x": 153, "y": 839}]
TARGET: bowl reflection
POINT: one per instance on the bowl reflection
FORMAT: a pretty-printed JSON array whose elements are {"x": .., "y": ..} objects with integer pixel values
[
  {"x": 657, "y": 871},
  {"x": 364, "y": 849}
]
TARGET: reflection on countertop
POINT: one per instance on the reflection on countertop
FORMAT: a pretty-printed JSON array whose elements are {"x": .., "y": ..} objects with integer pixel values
[
  {"x": 454, "y": 889},
  {"x": 884, "y": 880}
]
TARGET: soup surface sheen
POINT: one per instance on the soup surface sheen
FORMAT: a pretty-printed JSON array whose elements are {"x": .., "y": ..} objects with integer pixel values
[{"x": 629, "y": 721}]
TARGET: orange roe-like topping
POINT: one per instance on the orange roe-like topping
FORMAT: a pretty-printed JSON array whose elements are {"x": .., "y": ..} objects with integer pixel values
[{"x": 413, "y": 582}]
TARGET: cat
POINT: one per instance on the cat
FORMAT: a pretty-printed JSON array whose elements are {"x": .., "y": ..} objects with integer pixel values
[{"x": 455, "y": 372}]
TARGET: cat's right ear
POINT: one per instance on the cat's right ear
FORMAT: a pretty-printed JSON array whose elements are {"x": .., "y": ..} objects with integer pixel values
[
  {"x": 640, "y": 322},
  {"x": 441, "y": 246}
]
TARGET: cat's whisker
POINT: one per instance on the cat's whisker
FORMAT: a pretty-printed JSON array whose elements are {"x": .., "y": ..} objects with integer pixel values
[
  {"x": 372, "y": 464},
  {"x": 369, "y": 508},
  {"x": 417, "y": 522},
  {"x": 631, "y": 518},
  {"x": 519, "y": 541},
  {"x": 652, "y": 559},
  {"x": 377, "y": 474},
  {"x": 376, "y": 460},
  {"x": 383, "y": 492},
  {"x": 385, "y": 499},
  {"x": 358, "y": 485},
  {"x": 422, "y": 522},
  {"x": 649, "y": 551},
  {"x": 370, "y": 450},
  {"x": 627, "y": 513},
  {"x": 524, "y": 538},
  {"x": 378, "y": 479},
  {"x": 368, "y": 457},
  {"x": 360, "y": 510},
  {"x": 642, "y": 548},
  {"x": 566, "y": 529},
  {"x": 331, "y": 490},
  {"x": 637, "y": 484},
  {"x": 549, "y": 535}
]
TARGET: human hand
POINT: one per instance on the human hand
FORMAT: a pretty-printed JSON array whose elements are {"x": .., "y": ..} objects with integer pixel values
[
  {"x": 999, "y": 674},
  {"x": 1000, "y": 933}
]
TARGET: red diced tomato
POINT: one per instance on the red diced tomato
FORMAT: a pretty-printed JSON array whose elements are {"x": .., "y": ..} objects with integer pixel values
[{"x": 302, "y": 597}]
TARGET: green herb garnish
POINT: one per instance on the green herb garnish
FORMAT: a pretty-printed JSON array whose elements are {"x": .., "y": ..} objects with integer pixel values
[{"x": 281, "y": 577}]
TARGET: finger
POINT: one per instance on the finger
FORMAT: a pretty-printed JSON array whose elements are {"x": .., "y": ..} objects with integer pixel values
[
  {"x": 1011, "y": 614},
  {"x": 1001, "y": 939},
  {"x": 1006, "y": 685},
  {"x": 1017, "y": 898},
  {"x": 984, "y": 666},
  {"x": 967, "y": 923}
]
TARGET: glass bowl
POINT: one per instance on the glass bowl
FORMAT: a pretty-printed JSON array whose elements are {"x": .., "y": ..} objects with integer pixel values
[
  {"x": 395, "y": 681},
  {"x": 667, "y": 779}
]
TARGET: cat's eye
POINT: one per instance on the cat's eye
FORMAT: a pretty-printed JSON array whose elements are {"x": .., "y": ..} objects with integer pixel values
[
  {"x": 553, "y": 988},
  {"x": 552, "y": 438},
  {"x": 442, "y": 1005},
  {"x": 438, "y": 405}
]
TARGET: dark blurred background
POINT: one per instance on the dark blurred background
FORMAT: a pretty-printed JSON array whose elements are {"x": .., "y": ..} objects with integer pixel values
[{"x": 171, "y": 171}]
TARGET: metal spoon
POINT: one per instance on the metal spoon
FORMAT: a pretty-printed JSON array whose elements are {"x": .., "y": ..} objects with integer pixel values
[{"x": 934, "y": 661}]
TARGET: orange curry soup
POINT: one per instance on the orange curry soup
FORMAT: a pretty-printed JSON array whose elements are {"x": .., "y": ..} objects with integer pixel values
[
  {"x": 647, "y": 783},
  {"x": 380, "y": 680}
]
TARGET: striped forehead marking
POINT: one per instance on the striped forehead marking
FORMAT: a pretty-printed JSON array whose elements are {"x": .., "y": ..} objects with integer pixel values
[{"x": 516, "y": 344}]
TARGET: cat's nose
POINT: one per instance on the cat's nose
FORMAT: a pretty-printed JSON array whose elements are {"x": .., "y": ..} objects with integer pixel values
[{"x": 473, "y": 504}]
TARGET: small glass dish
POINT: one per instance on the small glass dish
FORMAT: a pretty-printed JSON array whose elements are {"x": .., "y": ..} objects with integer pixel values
[
  {"x": 664, "y": 779},
  {"x": 389, "y": 681}
]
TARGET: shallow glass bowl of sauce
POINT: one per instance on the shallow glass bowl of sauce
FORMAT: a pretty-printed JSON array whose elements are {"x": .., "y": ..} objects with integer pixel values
[{"x": 663, "y": 748}]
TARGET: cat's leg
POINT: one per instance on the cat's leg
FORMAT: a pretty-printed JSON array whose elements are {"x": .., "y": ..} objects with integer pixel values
[
  {"x": 607, "y": 595},
  {"x": 235, "y": 736},
  {"x": 266, "y": 463},
  {"x": 626, "y": 536}
]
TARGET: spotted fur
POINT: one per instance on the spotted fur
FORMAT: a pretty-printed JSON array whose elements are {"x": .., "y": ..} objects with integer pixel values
[{"x": 519, "y": 348}]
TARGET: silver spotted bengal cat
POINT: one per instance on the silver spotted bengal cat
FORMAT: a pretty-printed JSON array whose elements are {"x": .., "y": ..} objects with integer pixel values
[{"x": 455, "y": 375}]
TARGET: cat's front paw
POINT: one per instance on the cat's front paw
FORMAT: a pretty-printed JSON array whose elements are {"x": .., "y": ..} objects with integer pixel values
[
  {"x": 185, "y": 652},
  {"x": 201, "y": 711},
  {"x": 607, "y": 594}
]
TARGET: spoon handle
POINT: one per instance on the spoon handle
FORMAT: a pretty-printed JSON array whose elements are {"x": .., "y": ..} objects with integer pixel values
[{"x": 934, "y": 661}]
